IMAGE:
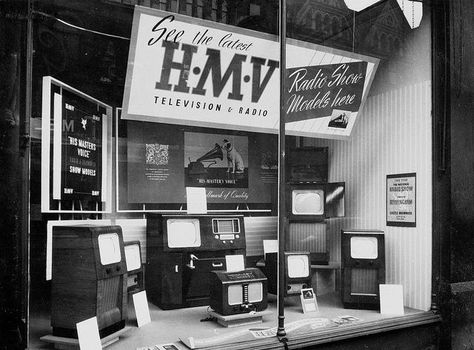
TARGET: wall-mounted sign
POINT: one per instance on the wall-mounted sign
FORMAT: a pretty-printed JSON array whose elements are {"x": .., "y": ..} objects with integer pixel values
[
  {"x": 75, "y": 150},
  {"x": 163, "y": 160},
  {"x": 401, "y": 200},
  {"x": 182, "y": 70}
]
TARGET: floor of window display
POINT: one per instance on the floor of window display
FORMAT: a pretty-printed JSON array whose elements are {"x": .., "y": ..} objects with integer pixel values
[{"x": 169, "y": 326}]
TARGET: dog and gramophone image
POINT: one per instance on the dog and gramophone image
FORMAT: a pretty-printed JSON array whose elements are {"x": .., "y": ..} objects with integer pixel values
[{"x": 216, "y": 160}]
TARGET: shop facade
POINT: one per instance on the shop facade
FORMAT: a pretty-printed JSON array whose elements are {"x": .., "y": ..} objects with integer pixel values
[{"x": 167, "y": 114}]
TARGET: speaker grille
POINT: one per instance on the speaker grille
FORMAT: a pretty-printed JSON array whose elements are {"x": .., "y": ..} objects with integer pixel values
[
  {"x": 364, "y": 282},
  {"x": 255, "y": 292},
  {"x": 308, "y": 237},
  {"x": 235, "y": 293},
  {"x": 109, "y": 293}
]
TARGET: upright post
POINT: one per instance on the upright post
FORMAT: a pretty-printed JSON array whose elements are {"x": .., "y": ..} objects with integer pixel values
[{"x": 281, "y": 174}]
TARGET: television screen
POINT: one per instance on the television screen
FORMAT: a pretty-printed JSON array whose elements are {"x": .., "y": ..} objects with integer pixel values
[
  {"x": 298, "y": 266},
  {"x": 307, "y": 202},
  {"x": 364, "y": 247},
  {"x": 183, "y": 233},
  {"x": 255, "y": 293},
  {"x": 132, "y": 257},
  {"x": 109, "y": 248}
]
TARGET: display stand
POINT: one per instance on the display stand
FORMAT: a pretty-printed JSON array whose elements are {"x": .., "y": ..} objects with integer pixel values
[
  {"x": 240, "y": 319},
  {"x": 326, "y": 278},
  {"x": 62, "y": 343}
]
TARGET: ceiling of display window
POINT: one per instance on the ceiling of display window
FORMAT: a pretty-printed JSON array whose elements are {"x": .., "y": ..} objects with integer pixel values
[{"x": 65, "y": 38}]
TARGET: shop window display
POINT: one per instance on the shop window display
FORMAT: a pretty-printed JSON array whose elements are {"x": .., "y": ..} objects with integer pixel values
[{"x": 201, "y": 111}]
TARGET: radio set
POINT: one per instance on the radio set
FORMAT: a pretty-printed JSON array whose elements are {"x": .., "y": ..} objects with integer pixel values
[
  {"x": 238, "y": 292},
  {"x": 182, "y": 250}
]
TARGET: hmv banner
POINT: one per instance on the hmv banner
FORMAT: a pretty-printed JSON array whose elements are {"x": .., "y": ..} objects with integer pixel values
[{"x": 182, "y": 70}]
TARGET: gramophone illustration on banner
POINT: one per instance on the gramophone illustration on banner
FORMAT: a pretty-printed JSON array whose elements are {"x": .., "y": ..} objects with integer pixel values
[{"x": 198, "y": 168}]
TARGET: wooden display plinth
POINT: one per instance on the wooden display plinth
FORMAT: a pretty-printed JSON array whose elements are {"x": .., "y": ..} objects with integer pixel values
[
  {"x": 240, "y": 319},
  {"x": 62, "y": 343}
]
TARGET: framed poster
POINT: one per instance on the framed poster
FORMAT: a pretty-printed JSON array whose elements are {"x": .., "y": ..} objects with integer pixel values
[
  {"x": 156, "y": 163},
  {"x": 401, "y": 200},
  {"x": 76, "y": 152}
]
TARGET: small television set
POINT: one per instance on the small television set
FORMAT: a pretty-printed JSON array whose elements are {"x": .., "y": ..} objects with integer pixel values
[
  {"x": 133, "y": 259},
  {"x": 297, "y": 272},
  {"x": 363, "y": 268},
  {"x": 306, "y": 202},
  {"x": 238, "y": 292},
  {"x": 88, "y": 279}
]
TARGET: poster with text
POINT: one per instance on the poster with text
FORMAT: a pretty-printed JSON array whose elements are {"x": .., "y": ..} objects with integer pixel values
[
  {"x": 81, "y": 147},
  {"x": 401, "y": 200},
  {"x": 155, "y": 163},
  {"x": 76, "y": 157},
  {"x": 161, "y": 160}
]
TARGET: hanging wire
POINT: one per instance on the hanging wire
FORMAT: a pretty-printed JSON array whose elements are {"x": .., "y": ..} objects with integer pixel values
[
  {"x": 80, "y": 28},
  {"x": 353, "y": 30}
]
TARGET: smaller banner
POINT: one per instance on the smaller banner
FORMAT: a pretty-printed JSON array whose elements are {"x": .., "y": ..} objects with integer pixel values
[{"x": 318, "y": 91}]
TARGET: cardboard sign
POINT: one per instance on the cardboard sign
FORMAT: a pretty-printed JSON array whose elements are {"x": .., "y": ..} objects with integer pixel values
[
  {"x": 196, "y": 200},
  {"x": 140, "y": 303},
  {"x": 88, "y": 334},
  {"x": 234, "y": 263},
  {"x": 391, "y": 299},
  {"x": 308, "y": 300}
]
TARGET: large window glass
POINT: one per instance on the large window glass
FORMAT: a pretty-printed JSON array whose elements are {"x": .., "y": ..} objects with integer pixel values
[
  {"x": 158, "y": 123},
  {"x": 382, "y": 239}
]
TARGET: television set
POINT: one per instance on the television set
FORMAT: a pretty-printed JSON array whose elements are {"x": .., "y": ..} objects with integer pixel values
[
  {"x": 363, "y": 268},
  {"x": 182, "y": 250},
  {"x": 202, "y": 232},
  {"x": 306, "y": 202},
  {"x": 297, "y": 267},
  {"x": 88, "y": 279},
  {"x": 133, "y": 259},
  {"x": 238, "y": 292}
]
